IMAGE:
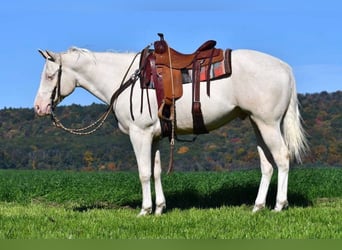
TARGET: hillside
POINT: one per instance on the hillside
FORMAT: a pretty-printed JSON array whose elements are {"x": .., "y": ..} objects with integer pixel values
[{"x": 28, "y": 142}]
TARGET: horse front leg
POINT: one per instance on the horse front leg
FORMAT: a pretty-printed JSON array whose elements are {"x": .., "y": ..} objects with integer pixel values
[
  {"x": 160, "y": 198},
  {"x": 142, "y": 144}
]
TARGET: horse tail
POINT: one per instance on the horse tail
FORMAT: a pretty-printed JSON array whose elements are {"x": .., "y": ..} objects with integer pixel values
[{"x": 293, "y": 131}]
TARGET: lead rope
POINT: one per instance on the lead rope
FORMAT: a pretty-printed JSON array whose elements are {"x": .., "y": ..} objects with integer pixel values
[
  {"x": 173, "y": 118},
  {"x": 80, "y": 131}
]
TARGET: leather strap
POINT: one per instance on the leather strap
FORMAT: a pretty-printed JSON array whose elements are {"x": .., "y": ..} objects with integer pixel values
[
  {"x": 197, "y": 117},
  {"x": 208, "y": 72},
  {"x": 196, "y": 81}
]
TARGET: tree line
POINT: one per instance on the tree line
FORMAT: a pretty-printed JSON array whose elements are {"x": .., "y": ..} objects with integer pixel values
[{"x": 29, "y": 142}]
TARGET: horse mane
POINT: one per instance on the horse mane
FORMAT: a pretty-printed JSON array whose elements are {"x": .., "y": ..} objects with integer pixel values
[
  {"x": 81, "y": 51},
  {"x": 77, "y": 49}
]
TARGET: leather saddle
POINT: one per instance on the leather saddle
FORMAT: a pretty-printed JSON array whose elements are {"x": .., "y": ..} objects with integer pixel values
[
  {"x": 163, "y": 68},
  {"x": 180, "y": 60}
]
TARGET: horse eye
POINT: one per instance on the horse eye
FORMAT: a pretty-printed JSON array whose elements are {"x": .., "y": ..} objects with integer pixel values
[{"x": 50, "y": 77}]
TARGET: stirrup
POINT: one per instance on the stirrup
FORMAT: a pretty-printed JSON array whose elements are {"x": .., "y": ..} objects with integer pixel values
[{"x": 170, "y": 112}]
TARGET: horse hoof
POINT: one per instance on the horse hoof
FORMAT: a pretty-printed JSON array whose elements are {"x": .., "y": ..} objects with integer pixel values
[
  {"x": 280, "y": 206},
  {"x": 159, "y": 209},
  {"x": 144, "y": 212},
  {"x": 258, "y": 207}
]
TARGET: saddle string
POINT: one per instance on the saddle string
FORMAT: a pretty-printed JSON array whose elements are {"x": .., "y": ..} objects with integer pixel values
[
  {"x": 173, "y": 118},
  {"x": 100, "y": 121},
  {"x": 143, "y": 63}
]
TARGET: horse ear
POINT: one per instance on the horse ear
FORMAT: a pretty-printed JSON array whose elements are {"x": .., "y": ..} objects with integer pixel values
[
  {"x": 43, "y": 53},
  {"x": 51, "y": 55},
  {"x": 48, "y": 55}
]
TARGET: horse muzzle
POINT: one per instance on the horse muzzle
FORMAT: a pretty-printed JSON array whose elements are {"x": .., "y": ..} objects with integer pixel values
[{"x": 42, "y": 110}]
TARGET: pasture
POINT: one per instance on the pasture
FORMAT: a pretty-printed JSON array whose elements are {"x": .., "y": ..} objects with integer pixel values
[{"x": 200, "y": 205}]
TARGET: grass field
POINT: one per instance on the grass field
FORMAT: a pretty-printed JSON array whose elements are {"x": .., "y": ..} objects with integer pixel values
[{"x": 205, "y": 205}]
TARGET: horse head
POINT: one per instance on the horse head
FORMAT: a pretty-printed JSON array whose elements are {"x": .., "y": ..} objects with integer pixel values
[{"x": 57, "y": 82}]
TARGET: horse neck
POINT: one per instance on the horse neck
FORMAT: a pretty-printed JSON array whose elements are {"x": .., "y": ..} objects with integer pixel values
[{"x": 101, "y": 73}]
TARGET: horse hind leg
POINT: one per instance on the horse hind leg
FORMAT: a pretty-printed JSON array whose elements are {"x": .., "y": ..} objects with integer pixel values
[
  {"x": 266, "y": 169},
  {"x": 272, "y": 151},
  {"x": 266, "y": 175},
  {"x": 160, "y": 198}
]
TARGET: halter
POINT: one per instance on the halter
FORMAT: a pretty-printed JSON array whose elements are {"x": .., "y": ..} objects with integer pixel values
[
  {"x": 56, "y": 93},
  {"x": 56, "y": 97}
]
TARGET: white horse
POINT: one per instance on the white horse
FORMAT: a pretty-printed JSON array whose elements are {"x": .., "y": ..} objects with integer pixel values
[{"x": 261, "y": 87}]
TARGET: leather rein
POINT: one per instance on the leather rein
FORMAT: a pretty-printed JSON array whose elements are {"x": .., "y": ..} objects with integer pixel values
[{"x": 56, "y": 97}]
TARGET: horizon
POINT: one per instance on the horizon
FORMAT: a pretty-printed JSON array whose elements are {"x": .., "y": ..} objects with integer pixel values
[{"x": 101, "y": 103}]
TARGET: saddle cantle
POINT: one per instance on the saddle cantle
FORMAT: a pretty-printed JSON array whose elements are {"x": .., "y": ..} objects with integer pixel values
[
  {"x": 179, "y": 60},
  {"x": 166, "y": 70}
]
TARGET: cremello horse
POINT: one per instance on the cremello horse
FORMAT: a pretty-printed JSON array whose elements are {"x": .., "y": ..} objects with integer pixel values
[{"x": 261, "y": 87}]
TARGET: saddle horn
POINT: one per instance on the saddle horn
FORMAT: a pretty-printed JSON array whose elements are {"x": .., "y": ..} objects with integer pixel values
[
  {"x": 160, "y": 46},
  {"x": 161, "y": 35}
]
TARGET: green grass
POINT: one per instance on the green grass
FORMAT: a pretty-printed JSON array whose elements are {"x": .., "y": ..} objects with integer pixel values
[
  {"x": 41, "y": 221},
  {"x": 71, "y": 205}
]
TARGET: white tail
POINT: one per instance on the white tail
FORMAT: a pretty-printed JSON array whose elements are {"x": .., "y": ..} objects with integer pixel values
[{"x": 294, "y": 134}]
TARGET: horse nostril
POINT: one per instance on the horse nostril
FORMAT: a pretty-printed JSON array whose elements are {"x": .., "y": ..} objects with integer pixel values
[
  {"x": 37, "y": 108},
  {"x": 48, "y": 109}
]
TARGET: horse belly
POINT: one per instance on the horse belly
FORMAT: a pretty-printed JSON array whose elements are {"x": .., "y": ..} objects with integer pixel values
[{"x": 216, "y": 109}]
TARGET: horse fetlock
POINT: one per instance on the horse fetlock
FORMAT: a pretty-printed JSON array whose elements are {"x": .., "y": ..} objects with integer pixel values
[
  {"x": 145, "y": 211},
  {"x": 258, "y": 207},
  {"x": 280, "y": 205},
  {"x": 160, "y": 208}
]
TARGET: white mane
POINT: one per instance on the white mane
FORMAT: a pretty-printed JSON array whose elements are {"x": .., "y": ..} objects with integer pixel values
[
  {"x": 77, "y": 49},
  {"x": 87, "y": 51}
]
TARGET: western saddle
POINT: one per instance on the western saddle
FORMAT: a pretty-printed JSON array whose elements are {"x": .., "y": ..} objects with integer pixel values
[{"x": 166, "y": 70}]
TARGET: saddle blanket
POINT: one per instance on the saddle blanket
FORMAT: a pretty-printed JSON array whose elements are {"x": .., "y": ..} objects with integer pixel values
[{"x": 218, "y": 70}]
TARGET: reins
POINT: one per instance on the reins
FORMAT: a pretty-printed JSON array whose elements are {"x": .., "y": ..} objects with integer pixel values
[{"x": 99, "y": 122}]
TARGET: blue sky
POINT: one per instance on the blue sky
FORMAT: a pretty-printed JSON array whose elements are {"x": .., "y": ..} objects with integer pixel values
[{"x": 305, "y": 34}]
